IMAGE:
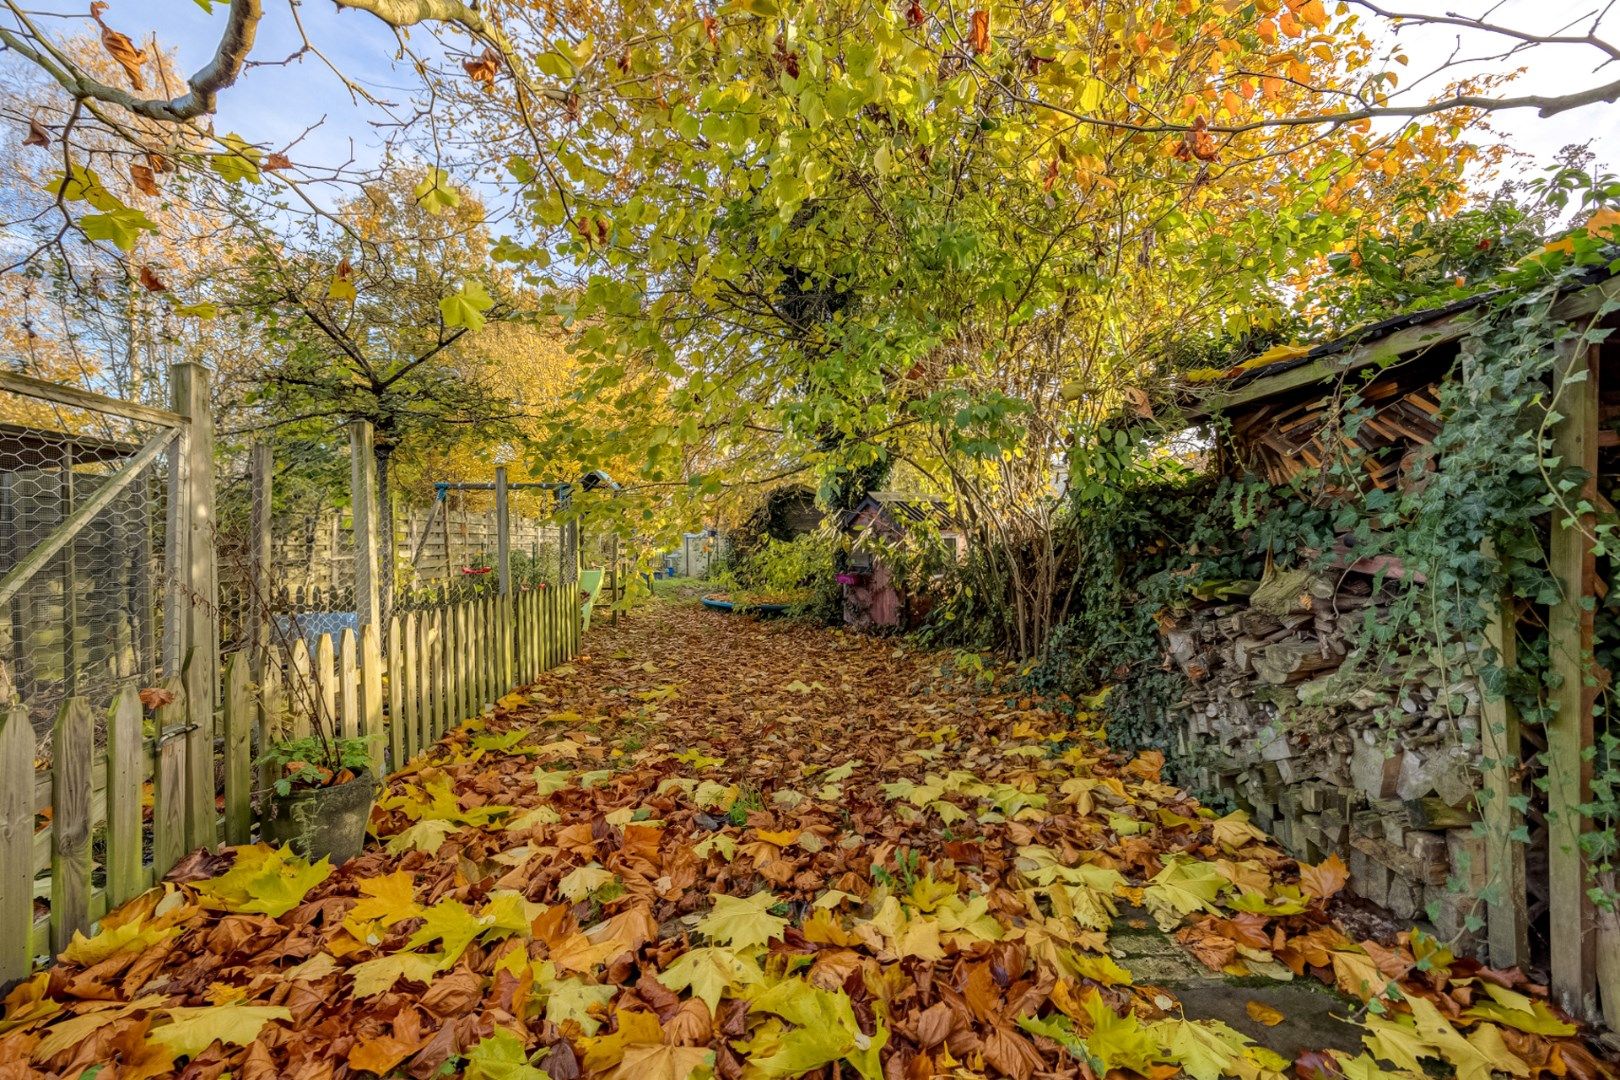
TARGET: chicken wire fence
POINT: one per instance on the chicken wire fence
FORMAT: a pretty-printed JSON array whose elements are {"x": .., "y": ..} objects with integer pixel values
[
  {"x": 301, "y": 527},
  {"x": 85, "y": 553}
]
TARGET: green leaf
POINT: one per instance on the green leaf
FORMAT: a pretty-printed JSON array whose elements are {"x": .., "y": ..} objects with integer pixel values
[
  {"x": 202, "y": 309},
  {"x": 501, "y": 1056},
  {"x": 264, "y": 881},
  {"x": 374, "y": 976},
  {"x": 239, "y": 162},
  {"x": 571, "y": 999},
  {"x": 450, "y": 922},
  {"x": 743, "y": 922},
  {"x": 122, "y": 227},
  {"x": 191, "y": 1031},
  {"x": 709, "y": 972},
  {"x": 825, "y": 1031},
  {"x": 434, "y": 194},
  {"x": 467, "y": 307}
]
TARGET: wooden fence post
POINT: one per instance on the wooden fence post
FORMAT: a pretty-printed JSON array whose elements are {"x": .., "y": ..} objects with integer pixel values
[
  {"x": 411, "y": 712},
  {"x": 1569, "y": 732},
  {"x": 1506, "y": 931},
  {"x": 16, "y": 843},
  {"x": 262, "y": 470},
  {"x": 189, "y": 386},
  {"x": 363, "y": 488}
]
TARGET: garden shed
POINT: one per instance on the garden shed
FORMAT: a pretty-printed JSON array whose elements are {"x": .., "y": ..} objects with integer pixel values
[
  {"x": 1427, "y": 784},
  {"x": 873, "y": 598}
]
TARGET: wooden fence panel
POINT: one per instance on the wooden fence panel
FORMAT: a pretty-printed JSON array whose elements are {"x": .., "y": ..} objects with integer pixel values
[
  {"x": 443, "y": 666},
  {"x": 241, "y": 717},
  {"x": 72, "y": 752},
  {"x": 126, "y": 766},
  {"x": 348, "y": 679},
  {"x": 371, "y": 692},
  {"x": 303, "y": 696},
  {"x": 397, "y": 743},
  {"x": 202, "y": 819},
  {"x": 16, "y": 843},
  {"x": 412, "y": 682},
  {"x": 326, "y": 684},
  {"x": 168, "y": 781}
]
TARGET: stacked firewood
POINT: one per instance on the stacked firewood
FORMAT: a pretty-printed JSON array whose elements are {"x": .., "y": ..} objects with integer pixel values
[{"x": 1329, "y": 756}]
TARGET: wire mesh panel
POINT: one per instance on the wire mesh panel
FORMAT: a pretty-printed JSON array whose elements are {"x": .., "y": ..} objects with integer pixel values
[{"x": 83, "y": 542}]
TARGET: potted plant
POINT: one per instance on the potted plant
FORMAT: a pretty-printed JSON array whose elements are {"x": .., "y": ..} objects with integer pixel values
[{"x": 320, "y": 795}]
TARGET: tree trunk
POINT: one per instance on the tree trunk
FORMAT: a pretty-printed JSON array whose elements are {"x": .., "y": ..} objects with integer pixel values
[{"x": 381, "y": 453}]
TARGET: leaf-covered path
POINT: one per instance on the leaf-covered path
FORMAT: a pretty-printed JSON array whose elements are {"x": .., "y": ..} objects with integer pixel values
[{"x": 715, "y": 846}]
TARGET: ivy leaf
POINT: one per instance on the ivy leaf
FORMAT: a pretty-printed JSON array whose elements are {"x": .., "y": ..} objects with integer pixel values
[
  {"x": 467, "y": 307},
  {"x": 434, "y": 194},
  {"x": 191, "y": 1031},
  {"x": 501, "y": 1056},
  {"x": 742, "y": 922}
]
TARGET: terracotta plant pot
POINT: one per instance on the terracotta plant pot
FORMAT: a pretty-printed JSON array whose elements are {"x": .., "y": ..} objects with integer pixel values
[{"x": 326, "y": 821}]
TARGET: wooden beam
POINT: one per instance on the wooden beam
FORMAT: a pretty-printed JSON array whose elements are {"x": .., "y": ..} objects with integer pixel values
[
  {"x": 74, "y": 398},
  {"x": 1385, "y": 350},
  {"x": 1569, "y": 732},
  {"x": 1506, "y": 923}
]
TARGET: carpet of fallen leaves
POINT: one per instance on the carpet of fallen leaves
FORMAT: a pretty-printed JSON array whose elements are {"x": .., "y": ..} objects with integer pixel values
[{"x": 721, "y": 847}]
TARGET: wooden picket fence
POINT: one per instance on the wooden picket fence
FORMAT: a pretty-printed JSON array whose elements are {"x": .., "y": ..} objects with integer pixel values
[{"x": 104, "y": 836}]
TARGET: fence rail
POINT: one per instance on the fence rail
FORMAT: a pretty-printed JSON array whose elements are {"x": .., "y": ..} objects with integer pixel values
[{"x": 111, "y": 815}]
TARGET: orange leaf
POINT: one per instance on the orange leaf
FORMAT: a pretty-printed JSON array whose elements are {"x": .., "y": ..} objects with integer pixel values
[
  {"x": 1325, "y": 879},
  {"x": 1261, "y": 1013},
  {"x": 143, "y": 179},
  {"x": 979, "y": 36},
  {"x": 381, "y": 1053}
]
